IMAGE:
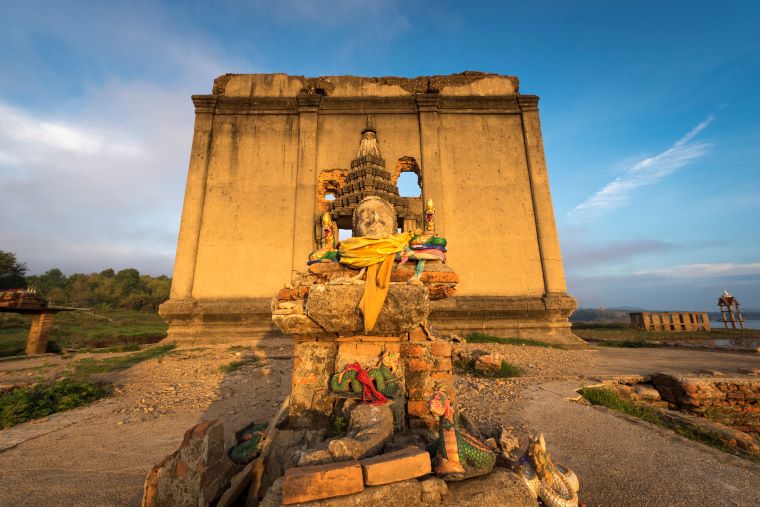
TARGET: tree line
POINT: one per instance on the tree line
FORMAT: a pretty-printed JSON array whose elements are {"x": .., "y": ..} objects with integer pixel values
[{"x": 109, "y": 289}]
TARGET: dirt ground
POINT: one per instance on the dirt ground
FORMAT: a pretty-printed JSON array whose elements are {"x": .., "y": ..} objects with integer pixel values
[{"x": 100, "y": 454}]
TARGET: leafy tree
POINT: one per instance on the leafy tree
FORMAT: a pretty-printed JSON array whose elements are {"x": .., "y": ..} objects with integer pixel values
[{"x": 11, "y": 272}]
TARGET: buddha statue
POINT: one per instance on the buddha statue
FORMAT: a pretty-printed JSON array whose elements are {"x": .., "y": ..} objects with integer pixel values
[
  {"x": 374, "y": 246},
  {"x": 374, "y": 217},
  {"x": 327, "y": 252}
]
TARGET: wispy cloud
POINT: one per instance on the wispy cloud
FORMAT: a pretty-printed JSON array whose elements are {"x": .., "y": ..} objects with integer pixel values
[
  {"x": 23, "y": 134},
  {"x": 705, "y": 270},
  {"x": 645, "y": 172},
  {"x": 579, "y": 254}
]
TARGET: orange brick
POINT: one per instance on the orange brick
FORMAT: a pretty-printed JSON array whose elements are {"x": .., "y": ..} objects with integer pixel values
[
  {"x": 303, "y": 484},
  {"x": 361, "y": 349},
  {"x": 413, "y": 350},
  {"x": 440, "y": 291},
  {"x": 442, "y": 364},
  {"x": 304, "y": 380},
  {"x": 417, "y": 334},
  {"x": 442, "y": 376},
  {"x": 396, "y": 466},
  {"x": 402, "y": 275},
  {"x": 417, "y": 408},
  {"x": 287, "y": 294},
  {"x": 415, "y": 364},
  {"x": 434, "y": 277},
  {"x": 441, "y": 349}
]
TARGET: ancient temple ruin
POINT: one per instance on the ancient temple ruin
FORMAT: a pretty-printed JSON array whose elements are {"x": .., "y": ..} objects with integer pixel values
[{"x": 271, "y": 153}]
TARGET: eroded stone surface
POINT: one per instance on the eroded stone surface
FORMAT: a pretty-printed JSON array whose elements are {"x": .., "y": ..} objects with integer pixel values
[
  {"x": 193, "y": 475},
  {"x": 370, "y": 427},
  {"x": 334, "y": 308},
  {"x": 500, "y": 487}
]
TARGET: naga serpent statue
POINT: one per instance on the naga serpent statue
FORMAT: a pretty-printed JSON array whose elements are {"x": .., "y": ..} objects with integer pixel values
[
  {"x": 555, "y": 485},
  {"x": 456, "y": 454},
  {"x": 375, "y": 384}
]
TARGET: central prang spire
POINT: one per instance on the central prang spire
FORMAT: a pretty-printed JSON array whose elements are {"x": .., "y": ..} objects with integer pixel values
[
  {"x": 368, "y": 146},
  {"x": 367, "y": 176}
]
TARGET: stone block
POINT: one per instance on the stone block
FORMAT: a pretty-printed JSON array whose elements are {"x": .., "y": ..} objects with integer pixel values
[
  {"x": 195, "y": 474},
  {"x": 303, "y": 484},
  {"x": 489, "y": 362},
  {"x": 333, "y": 307},
  {"x": 396, "y": 466}
]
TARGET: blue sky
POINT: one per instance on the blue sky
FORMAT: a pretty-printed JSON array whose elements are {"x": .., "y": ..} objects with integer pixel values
[{"x": 649, "y": 110}]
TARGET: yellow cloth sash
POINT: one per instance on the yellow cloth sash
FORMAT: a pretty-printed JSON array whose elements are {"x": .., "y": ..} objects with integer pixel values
[{"x": 375, "y": 254}]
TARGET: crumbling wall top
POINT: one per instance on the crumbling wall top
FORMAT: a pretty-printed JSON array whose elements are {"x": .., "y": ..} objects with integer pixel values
[{"x": 284, "y": 85}]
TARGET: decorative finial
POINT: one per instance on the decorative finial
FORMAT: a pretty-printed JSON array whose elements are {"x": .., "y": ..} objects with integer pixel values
[
  {"x": 368, "y": 146},
  {"x": 326, "y": 220},
  {"x": 369, "y": 127}
]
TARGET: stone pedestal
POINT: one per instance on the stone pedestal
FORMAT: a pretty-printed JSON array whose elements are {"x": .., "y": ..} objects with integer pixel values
[{"x": 425, "y": 366}]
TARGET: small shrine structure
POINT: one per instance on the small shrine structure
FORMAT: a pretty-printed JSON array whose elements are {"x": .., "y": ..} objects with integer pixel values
[
  {"x": 28, "y": 302},
  {"x": 729, "y": 311}
]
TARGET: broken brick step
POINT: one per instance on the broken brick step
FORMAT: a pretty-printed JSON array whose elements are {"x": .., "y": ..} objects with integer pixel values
[
  {"x": 396, "y": 466},
  {"x": 304, "y": 484}
]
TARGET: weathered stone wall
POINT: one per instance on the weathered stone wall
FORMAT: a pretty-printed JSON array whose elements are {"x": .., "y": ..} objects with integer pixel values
[
  {"x": 261, "y": 141},
  {"x": 734, "y": 401}
]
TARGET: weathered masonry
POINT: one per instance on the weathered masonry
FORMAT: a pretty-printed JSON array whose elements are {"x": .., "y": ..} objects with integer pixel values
[{"x": 270, "y": 150}]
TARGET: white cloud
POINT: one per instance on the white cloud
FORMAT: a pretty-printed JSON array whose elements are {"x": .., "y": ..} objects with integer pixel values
[
  {"x": 23, "y": 135},
  {"x": 645, "y": 172},
  {"x": 705, "y": 270}
]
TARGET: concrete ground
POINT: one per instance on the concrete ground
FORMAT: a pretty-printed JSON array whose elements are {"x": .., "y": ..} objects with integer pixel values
[{"x": 100, "y": 454}]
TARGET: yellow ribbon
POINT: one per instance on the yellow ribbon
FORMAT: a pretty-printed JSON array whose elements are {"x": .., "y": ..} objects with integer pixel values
[{"x": 375, "y": 254}]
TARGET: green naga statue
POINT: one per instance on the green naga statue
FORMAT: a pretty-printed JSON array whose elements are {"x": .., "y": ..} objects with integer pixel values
[
  {"x": 456, "y": 454},
  {"x": 375, "y": 384}
]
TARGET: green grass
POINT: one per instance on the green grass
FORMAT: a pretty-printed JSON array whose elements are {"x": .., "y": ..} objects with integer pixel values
[
  {"x": 83, "y": 368},
  {"x": 130, "y": 347},
  {"x": 627, "y": 344},
  {"x": 91, "y": 330},
  {"x": 608, "y": 398},
  {"x": 75, "y": 389},
  {"x": 239, "y": 363},
  {"x": 24, "y": 404},
  {"x": 624, "y": 332},
  {"x": 487, "y": 338},
  {"x": 600, "y": 325},
  {"x": 507, "y": 370}
]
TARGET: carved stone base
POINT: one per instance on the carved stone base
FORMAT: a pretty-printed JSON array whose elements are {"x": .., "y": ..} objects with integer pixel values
[
  {"x": 210, "y": 321},
  {"x": 230, "y": 320},
  {"x": 531, "y": 317}
]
